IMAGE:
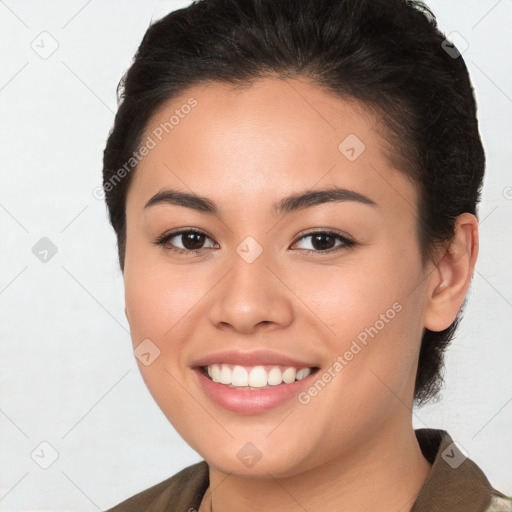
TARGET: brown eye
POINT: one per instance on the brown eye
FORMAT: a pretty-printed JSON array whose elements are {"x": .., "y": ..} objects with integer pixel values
[
  {"x": 321, "y": 241},
  {"x": 191, "y": 241},
  {"x": 325, "y": 241}
]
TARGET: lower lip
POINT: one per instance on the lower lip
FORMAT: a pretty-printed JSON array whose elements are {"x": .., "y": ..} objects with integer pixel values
[{"x": 251, "y": 401}]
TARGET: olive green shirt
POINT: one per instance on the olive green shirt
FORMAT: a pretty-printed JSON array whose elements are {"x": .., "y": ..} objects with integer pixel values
[{"x": 454, "y": 484}]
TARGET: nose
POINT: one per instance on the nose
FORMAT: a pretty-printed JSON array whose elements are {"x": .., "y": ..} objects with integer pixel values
[{"x": 251, "y": 297}]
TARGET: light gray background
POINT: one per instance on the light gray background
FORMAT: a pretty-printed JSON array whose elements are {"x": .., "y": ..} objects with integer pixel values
[{"x": 67, "y": 373}]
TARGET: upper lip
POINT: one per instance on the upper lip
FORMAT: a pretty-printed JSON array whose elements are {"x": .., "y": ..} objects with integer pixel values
[{"x": 253, "y": 358}]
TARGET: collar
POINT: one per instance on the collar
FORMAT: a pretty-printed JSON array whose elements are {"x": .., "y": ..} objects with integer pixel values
[{"x": 455, "y": 483}]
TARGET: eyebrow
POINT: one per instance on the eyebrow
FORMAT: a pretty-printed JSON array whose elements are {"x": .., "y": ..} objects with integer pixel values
[{"x": 292, "y": 203}]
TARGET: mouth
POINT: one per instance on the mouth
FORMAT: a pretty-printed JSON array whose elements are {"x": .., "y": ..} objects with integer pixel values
[
  {"x": 255, "y": 377},
  {"x": 253, "y": 390}
]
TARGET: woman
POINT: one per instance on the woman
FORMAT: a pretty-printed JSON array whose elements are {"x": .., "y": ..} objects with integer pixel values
[{"x": 293, "y": 186}]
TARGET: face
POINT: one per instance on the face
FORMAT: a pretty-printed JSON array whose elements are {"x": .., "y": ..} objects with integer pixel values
[{"x": 333, "y": 283}]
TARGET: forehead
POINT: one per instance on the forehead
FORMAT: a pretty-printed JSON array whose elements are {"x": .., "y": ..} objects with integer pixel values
[{"x": 252, "y": 145}]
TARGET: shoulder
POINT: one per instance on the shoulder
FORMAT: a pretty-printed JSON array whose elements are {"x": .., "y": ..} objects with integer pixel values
[
  {"x": 499, "y": 503},
  {"x": 186, "y": 489},
  {"x": 455, "y": 482}
]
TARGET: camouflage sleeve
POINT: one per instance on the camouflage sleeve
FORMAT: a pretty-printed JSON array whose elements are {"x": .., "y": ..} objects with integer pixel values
[{"x": 500, "y": 503}]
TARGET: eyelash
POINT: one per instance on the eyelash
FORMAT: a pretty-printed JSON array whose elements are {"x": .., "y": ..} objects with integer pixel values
[{"x": 346, "y": 242}]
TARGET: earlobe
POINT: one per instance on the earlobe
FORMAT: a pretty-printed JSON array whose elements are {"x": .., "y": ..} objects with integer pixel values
[{"x": 449, "y": 282}]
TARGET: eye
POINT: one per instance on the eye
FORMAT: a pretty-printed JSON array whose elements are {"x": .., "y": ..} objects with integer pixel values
[
  {"x": 322, "y": 241},
  {"x": 192, "y": 241}
]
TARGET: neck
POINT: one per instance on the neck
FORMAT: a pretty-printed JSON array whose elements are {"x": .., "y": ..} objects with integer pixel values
[{"x": 386, "y": 471}]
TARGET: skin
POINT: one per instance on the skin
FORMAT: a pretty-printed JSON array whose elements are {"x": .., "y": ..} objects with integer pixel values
[{"x": 245, "y": 149}]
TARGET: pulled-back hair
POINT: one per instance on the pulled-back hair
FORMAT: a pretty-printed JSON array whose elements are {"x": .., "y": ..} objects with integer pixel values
[{"x": 388, "y": 55}]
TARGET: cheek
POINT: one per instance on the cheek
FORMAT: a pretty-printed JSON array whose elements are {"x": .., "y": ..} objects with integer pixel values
[
  {"x": 157, "y": 306},
  {"x": 373, "y": 322},
  {"x": 157, "y": 299},
  {"x": 154, "y": 300},
  {"x": 352, "y": 296}
]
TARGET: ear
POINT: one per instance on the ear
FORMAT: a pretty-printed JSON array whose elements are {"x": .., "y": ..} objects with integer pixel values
[{"x": 450, "y": 279}]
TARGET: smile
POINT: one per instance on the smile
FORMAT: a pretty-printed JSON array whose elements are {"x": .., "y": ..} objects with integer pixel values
[
  {"x": 244, "y": 397},
  {"x": 255, "y": 377}
]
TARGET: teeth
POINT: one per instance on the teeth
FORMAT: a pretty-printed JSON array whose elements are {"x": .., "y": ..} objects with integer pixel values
[
  {"x": 289, "y": 375},
  {"x": 255, "y": 377},
  {"x": 275, "y": 376},
  {"x": 237, "y": 377},
  {"x": 303, "y": 372},
  {"x": 225, "y": 375}
]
